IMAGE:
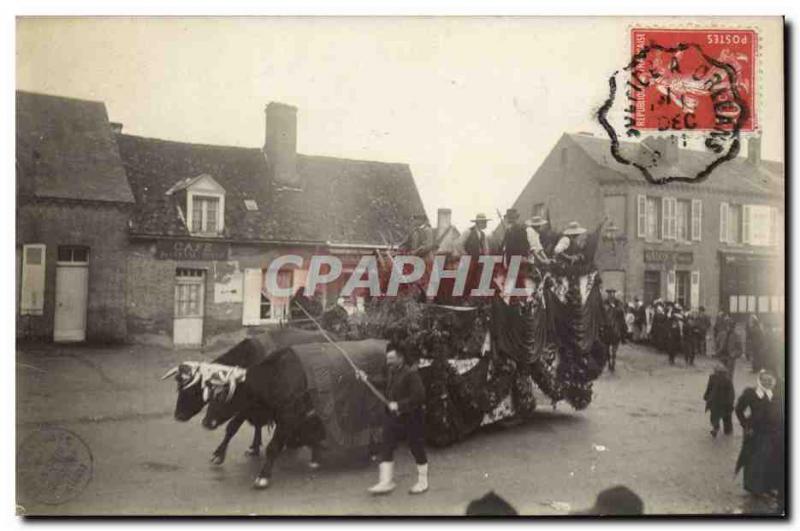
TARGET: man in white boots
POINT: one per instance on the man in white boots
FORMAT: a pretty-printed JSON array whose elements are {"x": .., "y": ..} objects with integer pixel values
[{"x": 405, "y": 413}]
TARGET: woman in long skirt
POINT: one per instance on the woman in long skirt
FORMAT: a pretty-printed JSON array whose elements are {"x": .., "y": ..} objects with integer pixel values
[{"x": 760, "y": 412}]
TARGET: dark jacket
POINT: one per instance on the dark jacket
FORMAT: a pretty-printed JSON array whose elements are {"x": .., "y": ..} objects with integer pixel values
[
  {"x": 729, "y": 344},
  {"x": 719, "y": 395},
  {"x": 404, "y": 386},
  {"x": 515, "y": 242}
]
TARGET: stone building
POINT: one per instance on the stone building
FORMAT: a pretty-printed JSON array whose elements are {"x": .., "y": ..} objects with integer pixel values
[
  {"x": 73, "y": 206},
  {"x": 717, "y": 244},
  {"x": 209, "y": 220}
]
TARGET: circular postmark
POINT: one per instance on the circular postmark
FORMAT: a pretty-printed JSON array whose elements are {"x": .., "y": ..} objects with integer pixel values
[
  {"x": 54, "y": 465},
  {"x": 679, "y": 87}
]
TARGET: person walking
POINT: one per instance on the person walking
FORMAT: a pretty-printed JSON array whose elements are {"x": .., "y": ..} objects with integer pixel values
[
  {"x": 675, "y": 334},
  {"x": 761, "y": 415},
  {"x": 405, "y": 416},
  {"x": 614, "y": 326},
  {"x": 719, "y": 398},
  {"x": 729, "y": 345}
]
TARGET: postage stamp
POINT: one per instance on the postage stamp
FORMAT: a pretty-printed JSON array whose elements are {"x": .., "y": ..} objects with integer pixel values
[
  {"x": 54, "y": 465},
  {"x": 681, "y": 86},
  {"x": 694, "y": 79}
]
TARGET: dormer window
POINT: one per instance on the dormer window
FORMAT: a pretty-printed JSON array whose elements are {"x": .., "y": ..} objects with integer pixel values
[
  {"x": 203, "y": 200},
  {"x": 205, "y": 214}
]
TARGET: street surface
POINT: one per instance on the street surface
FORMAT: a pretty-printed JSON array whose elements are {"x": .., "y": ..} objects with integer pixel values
[{"x": 645, "y": 429}]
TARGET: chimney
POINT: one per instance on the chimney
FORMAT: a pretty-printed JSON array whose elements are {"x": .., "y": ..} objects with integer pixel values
[
  {"x": 280, "y": 143},
  {"x": 442, "y": 220},
  {"x": 116, "y": 127},
  {"x": 754, "y": 150},
  {"x": 666, "y": 146}
]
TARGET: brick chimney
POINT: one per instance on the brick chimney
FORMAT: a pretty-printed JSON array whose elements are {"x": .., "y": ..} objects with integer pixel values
[
  {"x": 280, "y": 143},
  {"x": 754, "y": 150},
  {"x": 666, "y": 146}
]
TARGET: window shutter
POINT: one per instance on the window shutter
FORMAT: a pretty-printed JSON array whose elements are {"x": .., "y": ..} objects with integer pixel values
[
  {"x": 746, "y": 223},
  {"x": 695, "y": 290},
  {"x": 723, "y": 222},
  {"x": 671, "y": 285},
  {"x": 697, "y": 219},
  {"x": 665, "y": 218},
  {"x": 32, "y": 282},
  {"x": 251, "y": 289},
  {"x": 641, "y": 216}
]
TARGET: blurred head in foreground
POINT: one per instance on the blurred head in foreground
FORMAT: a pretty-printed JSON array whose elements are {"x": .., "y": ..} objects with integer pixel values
[{"x": 490, "y": 505}]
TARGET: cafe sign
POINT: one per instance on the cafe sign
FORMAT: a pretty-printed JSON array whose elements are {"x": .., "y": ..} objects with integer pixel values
[
  {"x": 668, "y": 257},
  {"x": 189, "y": 250}
]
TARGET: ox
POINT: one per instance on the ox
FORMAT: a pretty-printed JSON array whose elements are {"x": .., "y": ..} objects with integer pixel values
[
  {"x": 309, "y": 393},
  {"x": 192, "y": 376}
]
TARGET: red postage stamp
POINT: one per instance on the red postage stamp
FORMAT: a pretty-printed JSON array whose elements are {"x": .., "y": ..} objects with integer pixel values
[{"x": 685, "y": 80}]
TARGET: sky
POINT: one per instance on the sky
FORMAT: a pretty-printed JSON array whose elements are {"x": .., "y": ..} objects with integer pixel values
[{"x": 473, "y": 105}]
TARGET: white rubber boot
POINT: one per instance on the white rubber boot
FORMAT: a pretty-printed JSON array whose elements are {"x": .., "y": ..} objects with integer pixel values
[
  {"x": 422, "y": 480},
  {"x": 385, "y": 483}
]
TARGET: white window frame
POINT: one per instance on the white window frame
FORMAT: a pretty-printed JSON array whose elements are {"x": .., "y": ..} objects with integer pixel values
[
  {"x": 694, "y": 289},
  {"x": 641, "y": 216},
  {"x": 697, "y": 220},
  {"x": 668, "y": 217},
  {"x": 655, "y": 215},
  {"x": 190, "y": 198},
  {"x": 724, "y": 228},
  {"x": 746, "y": 222},
  {"x": 683, "y": 220},
  {"x": 32, "y": 283}
]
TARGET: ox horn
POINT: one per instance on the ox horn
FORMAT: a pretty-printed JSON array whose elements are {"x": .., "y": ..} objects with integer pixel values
[
  {"x": 172, "y": 372},
  {"x": 231, "y": 387}
]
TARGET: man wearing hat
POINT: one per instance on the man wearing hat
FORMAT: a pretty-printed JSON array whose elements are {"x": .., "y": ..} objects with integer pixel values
[
  {"x": 614, "y": 327},
  {"x": 474, "y": 242},
  {"x": 515, "y": 239},
  {"x": 675, "y": 339},
  {"x": 537, "y": 234},
  {"x": 547, "y": 236},
  {"x": 568, "y": 246},
  {"x": 420, "y": 241}
]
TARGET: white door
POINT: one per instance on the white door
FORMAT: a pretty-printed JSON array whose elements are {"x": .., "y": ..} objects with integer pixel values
[
  {"x": 72, "y": 294},
  {"x": 189, "y": 304}
]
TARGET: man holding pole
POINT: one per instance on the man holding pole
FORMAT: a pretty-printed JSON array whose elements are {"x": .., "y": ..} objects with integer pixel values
[{"x": 405, "y": 393}]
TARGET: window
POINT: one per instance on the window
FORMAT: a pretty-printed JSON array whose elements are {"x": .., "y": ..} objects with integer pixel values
[
  {"x": 697, "y": 219},
  {"x": 251, "y": 205},
  {"x": 538, "y": 210},
  {"x": 682, "y": 220},
  {"x": 189, "y": 292},
  {"x": 653, "y": 211},
  {"x": 73, "y": 254},
  {"x": 668, "y": 218},
  {"x": 682, "y": 289},
  {"x": 205, "y": 214},
  {"x": 724, "y": 210},
  {"x": 734, "y": 224},
  {"x": 641, "y": 216},
  {"x": 32, "y": 283}
]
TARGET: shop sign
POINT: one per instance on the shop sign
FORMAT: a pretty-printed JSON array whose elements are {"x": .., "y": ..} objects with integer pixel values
[
  {"x": 189, "y": 250},
  {"x": 669, "y": 257}
]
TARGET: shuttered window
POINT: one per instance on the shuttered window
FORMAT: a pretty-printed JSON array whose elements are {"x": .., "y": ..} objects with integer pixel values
[
  {"x": 641, "y": 216},
  {"x": 697, "y": 219},
  {"x": 723, "y": 222},
  {"x": 747, "y": 219},
  {"x": 695, "y": 290},
  {"x": 669, "y": 215},
  {"x": 32, "y": 284}
]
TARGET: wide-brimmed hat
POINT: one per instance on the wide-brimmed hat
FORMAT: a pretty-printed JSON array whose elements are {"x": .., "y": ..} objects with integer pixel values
[
  {"x": 537, "y": 221},
  {"x": 512, "y": 213},
  {"x": 574, "y": 229},
  {"x": 480, "y": 217}
]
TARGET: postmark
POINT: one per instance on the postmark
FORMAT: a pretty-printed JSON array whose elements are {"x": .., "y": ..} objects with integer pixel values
[
  {"x": 54, "y": 465},
  {"x": 682, "y": 87}
]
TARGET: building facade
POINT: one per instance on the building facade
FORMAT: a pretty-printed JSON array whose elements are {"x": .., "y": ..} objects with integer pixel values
[
  {"x": 73, "y": 207},
  {"x": 125, "y": 238},
  {"x": 717, "y": 244},
  {"x": 210, "y": 220}
]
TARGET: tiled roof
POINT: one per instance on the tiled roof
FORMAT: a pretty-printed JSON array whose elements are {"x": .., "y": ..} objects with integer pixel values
[
  {"x": 65, "y": 149},
  {"x": 340, "y": 200},
  {"x": 737, "y": 175}
]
